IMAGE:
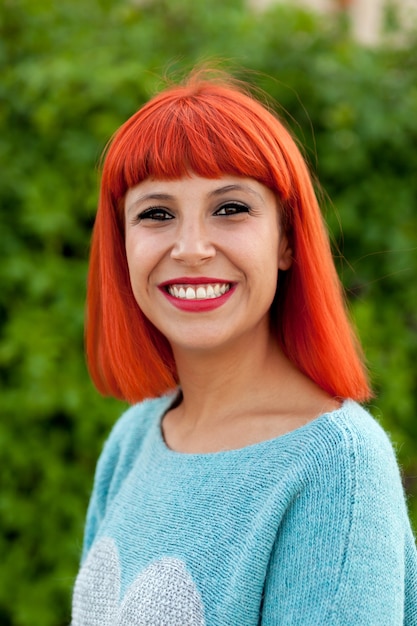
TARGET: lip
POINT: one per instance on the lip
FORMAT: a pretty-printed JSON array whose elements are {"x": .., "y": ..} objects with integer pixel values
[
  {"x": 194, "y": 280},
  {"x": 196, "y": 306}
]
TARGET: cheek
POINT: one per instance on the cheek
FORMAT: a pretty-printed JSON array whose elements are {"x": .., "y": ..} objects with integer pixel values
[
  {"x": 145, "y": 257},
  {"x": 271, "y": 259},
  {"x": 264, "y": 252},
  {"x": 138, "y": 266},
  {"x": 261, "y": 267},
  {"x": 132, "y": 263}
]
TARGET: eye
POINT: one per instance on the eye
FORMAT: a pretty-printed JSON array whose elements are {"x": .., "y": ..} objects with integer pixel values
[
  {"x": 157, "y": 214},
  {"x": 232, "y": 208}
]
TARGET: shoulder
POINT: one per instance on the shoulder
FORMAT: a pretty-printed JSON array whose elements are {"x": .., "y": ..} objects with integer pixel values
[
  {"x": 349, "y": 452},
  {"x": 345, "y": 528},
  {"x": 136, "y": 421},
  {"x": 350, "y": 429},
  {"x": 126, "y": 440},
  {"x": 359, "y": 433},
  {"x": 348, "y": 480}
]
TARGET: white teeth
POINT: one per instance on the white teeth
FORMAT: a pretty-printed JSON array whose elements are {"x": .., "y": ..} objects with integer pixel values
[{"x": 200, "y": 292}]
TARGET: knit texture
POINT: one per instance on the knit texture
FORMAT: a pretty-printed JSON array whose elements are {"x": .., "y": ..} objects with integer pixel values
[{"x": 308, "y": 529}]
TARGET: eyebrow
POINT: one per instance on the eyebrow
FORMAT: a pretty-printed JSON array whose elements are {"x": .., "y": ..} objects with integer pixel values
[
  {"x": 214, "y": 193},
  {"x": 235, "y": 187}
]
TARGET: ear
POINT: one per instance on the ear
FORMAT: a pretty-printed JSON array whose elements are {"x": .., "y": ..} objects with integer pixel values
[{"x": 284, "y": 254}]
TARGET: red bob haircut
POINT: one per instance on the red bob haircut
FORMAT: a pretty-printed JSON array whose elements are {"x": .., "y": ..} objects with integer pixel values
[{"x": 214, "y": 127}]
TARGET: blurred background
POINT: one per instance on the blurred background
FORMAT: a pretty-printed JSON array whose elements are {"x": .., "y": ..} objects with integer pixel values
[{"x": 344, "y": 75}]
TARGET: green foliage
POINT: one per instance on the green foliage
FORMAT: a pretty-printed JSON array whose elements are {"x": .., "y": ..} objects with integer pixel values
[{"x": 71, "y": 73}]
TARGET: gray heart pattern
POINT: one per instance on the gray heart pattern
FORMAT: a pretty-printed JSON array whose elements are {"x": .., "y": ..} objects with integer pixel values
[{"x": 163, "y": 594}]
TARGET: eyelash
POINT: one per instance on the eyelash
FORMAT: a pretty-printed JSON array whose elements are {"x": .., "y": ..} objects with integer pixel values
[
  {"x": 237, "y": 207},
  {"x": 159, "y": 214}
]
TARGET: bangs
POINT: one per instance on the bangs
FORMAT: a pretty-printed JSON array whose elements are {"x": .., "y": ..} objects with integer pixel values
[{"x": 208, "y": 134}]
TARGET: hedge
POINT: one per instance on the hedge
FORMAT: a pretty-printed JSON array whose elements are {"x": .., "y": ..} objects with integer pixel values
[{"x": 71, "y": 73}]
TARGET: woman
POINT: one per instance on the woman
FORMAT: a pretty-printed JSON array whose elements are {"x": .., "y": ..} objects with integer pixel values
[{"x": 245, "y": 485}]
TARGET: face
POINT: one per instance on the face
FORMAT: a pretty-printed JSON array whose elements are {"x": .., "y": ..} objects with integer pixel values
[{"x": 203, "y": 257}]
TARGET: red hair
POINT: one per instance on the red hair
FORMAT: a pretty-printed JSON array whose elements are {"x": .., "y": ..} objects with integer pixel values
[{"x": 214, "y": 128}]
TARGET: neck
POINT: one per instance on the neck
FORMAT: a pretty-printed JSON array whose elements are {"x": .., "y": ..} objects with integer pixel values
[
  {"x": 217, "y": 384},
  {"x": 232, "y": 398}
]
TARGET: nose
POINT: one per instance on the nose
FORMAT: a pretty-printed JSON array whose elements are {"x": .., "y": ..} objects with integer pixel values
[{"x": 192, "y": 245}]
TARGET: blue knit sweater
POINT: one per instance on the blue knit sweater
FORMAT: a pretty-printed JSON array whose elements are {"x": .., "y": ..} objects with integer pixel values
[{"x": 310, "y": 529}]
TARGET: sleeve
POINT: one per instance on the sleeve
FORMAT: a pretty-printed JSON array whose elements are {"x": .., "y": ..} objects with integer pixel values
[{"x": 345, "y": 551}]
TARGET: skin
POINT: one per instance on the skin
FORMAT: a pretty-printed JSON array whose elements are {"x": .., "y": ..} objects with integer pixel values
[{"x": 237, "y": 386}]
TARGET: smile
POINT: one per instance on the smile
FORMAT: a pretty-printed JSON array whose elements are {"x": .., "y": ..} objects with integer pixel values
[{"x": 198, "y": 292}]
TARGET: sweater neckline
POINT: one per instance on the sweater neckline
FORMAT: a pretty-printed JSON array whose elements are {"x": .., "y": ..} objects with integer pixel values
[{"x": 253, "y": 448}]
